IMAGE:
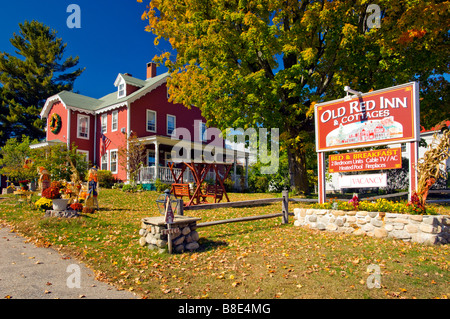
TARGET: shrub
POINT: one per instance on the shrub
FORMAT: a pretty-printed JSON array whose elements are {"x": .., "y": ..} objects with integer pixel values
[
  {"x": 127, "y": 188},
  {"x": 118, "y": 185},
  {"x": 105, "y": 179},
  {"x": 44, "y": 203},
  {"x": 51, "y": 193},
  {"x": 160, "y": 186}
]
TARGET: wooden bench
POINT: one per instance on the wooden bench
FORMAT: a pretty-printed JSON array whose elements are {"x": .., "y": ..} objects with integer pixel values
[
  {"x": 214, "y": 191},
  {"x": 181, "y": 190}
]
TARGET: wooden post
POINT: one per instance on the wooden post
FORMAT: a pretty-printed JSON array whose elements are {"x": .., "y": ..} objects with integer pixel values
[
  {"x": 180, "y": 207},
  {"x": 169, "y": 238},
  {"x": 413, "y": 151},
  {"x": 285, "y": 205}
]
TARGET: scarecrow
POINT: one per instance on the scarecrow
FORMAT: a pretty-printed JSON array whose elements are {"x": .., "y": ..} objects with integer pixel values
[
  {"x": 91, "y": 199},
  {"x": 44, "y": 179}
]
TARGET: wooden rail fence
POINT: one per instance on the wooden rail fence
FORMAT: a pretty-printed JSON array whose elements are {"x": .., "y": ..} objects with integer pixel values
[
  {"x": 284, "y": 207},
  {"x": 284, "y": 214}
]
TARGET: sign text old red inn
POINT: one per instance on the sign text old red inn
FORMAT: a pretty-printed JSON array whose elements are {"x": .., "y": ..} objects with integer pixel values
[{"x": 376, "y": 118}]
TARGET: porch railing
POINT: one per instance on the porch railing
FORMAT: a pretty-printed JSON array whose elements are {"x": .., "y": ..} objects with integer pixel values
[{"x": 147, "y": 175}]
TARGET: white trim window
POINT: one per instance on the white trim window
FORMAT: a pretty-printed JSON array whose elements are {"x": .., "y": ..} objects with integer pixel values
[
  {"x": 121, "y": 90},
  {"x": 167, "y": 158},
  {"x": 150, "y": 158},
  {"x": 86, "y": 155},
  {"x": 171, "y": 124},
  {"x": 104, "y": 122},
  {"x": 114, "y": 121},
  {"x": 104, "y": 161},
  {"x": 151, "y": 121},
  {"x": 83, "y": 126},
  {"x": 113, "y": 160}
]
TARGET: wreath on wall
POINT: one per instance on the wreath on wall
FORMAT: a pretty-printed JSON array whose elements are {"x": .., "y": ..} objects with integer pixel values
[{"x": 55, "y": 123}]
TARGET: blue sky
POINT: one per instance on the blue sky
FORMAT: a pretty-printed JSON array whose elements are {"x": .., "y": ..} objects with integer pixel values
[{"x": 111, "y": 39}]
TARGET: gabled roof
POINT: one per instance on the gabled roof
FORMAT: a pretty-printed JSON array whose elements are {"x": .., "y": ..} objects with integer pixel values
[
  {"x": 90, "y": 105},
  {"x": 130, "y": 80}
]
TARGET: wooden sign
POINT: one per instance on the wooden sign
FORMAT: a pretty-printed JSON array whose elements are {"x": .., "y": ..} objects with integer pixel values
[
  {"x": 171, "y": 231},
  {"x": 169, "y": 212},
  {"x": 376, "y": 118},
  {"x": 365, "y": 161}
]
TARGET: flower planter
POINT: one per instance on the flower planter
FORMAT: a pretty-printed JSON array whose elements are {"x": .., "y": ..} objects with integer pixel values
[{"x": 60, "y": 204}]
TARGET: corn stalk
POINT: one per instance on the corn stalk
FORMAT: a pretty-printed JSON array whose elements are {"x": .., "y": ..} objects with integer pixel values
[{"x": 428, "y": 167}]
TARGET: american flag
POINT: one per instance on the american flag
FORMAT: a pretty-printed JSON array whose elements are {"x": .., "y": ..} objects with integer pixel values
[{"x": 104, "y": 143}]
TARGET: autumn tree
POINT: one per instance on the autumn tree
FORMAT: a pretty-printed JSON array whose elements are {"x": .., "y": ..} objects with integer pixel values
[
  {"x": 267, "y": 62},
  {"x": 36, "y": 71},
  {"x": 132, "y": 156}
]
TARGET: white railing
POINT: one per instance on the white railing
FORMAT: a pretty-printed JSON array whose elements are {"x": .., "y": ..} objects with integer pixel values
[{"x": 147, "y": 175}]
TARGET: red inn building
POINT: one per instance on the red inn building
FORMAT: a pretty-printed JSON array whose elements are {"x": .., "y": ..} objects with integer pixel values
[{"x": 138, "y": 106}]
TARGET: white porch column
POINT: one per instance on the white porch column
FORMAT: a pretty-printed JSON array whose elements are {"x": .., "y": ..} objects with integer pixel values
[
  {"x": 156, "y": 158},
  {"x": 234, "y": 169},
  {"x": 246, "y": 171},
  {"x": 68, "y": 128}
]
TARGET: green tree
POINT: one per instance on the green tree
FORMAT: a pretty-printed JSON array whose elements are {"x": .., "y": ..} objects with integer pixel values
[
  {"x": 267, "y": 62},
  {"x": 36, "y": 71},
  {"x": 62, "y": 163},
  {"x": 17, "y": 160}
]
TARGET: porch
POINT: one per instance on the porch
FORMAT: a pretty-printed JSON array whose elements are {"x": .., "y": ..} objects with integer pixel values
[{"x": 158, "y": 158}]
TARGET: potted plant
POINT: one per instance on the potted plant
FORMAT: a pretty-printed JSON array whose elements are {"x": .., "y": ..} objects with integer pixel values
[{"x": 59, "y": 204}]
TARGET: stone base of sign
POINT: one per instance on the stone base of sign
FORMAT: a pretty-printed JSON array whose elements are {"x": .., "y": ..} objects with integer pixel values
[
  {"x": 154, "y": 233},
  {"x": 424, "y": 229},
  {"x": 61, "y": 213}
]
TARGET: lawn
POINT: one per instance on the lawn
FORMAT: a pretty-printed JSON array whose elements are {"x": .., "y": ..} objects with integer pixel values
[{"x": 256, "y": 259}]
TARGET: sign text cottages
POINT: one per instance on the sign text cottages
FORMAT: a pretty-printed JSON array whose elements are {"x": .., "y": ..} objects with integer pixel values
[{"x": 376, "y": 118}]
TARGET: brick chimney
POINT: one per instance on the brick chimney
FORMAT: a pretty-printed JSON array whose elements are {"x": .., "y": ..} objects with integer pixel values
[{"x": 151, "y": 70}]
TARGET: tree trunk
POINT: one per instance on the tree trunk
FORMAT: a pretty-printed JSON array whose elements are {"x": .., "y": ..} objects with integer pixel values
[{"x": 297, "y": 170}]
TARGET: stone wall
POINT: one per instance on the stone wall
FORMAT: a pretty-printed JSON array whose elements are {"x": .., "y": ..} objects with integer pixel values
[
  {"x": 153, "y": 233},
  {"x": 61, "y": 213},
  {"x": 426, "y": 229}
]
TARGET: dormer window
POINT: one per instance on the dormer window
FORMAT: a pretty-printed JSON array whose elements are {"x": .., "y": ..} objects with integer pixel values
[{"x": 121, "y": 91}]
